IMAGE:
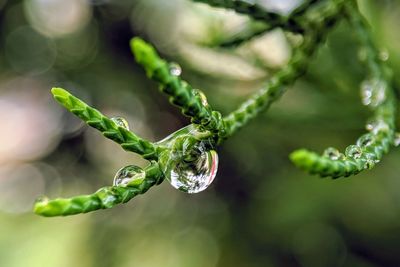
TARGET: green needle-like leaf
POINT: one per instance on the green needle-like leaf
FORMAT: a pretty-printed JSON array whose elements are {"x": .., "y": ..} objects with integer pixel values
[
  {"x": 288, "y": 23},
  {"x": 128, "y": 140},
  {"x": 208, "y": 125},
  {"x": 296, "y": 67},
  {"x": 370, "y": 147},
  {"x": 104, "y": 198},
  {"x": 192, "y": 102}
]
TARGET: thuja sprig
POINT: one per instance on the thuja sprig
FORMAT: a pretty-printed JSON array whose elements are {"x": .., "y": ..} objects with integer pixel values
[
  {"x": 379, "y": 95},
  {"x": 317, "y": 27},
  {"x": 128, "y": 140},
  {"x": 186, "y": 158},
  {"x": 104, "y": 198},
  {"x": 193, "y": 102},
  {"x": 158, "y": 154},
  {"x": 288, "y": 23}
]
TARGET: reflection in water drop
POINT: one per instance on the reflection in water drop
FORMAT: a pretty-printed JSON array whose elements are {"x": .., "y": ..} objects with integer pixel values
[
  {"x": 195, "y": 176},
  {"x": 121, "y": 122},
  {"x": 129, "y": 176},
  {"x": 353, "y": 152},
  {"x": 365, "y": 140},
  {"x": 332, "y": 153},
  {"x": 373, "y": 92},
  {"x": 175, "y": 69},
  {"x": 192, "y": 173}
]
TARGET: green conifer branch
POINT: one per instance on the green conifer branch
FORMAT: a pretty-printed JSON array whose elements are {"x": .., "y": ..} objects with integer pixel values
[
  {"x": 209, "y": 128},
  {"x": 288, "y": 23},
  {"x": 318, "y": 27},
  {"x": 191, "y": 102},
  {"x": 370, "y": 147},
  {"x": 254, "y": 10},
  {"x": 104, "y": 198},
  {"x": 128, "y": 140}
]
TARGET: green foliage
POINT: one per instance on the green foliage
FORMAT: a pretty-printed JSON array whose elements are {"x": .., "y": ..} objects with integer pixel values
[
  {"x": 128, "y": 140},
  {"x": 370, "y": 147},
  {"x": 192, "y": 102},
  {"x": 313, "y": 19}
]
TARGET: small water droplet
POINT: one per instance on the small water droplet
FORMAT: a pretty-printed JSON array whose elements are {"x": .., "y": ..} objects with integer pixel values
[
  {"x": 202, "y": 96},
  {"x": 365, "y": 140},
  {"x": 42, "y": 200},
  {"x": 397, "y": 139},
  {"x": 377, "y": 125},
  {"x": 175, "y": 69},
  {"x": 332, "y": 153},
  {"x": 373, "y": 92},
  {"x": 121, "y": 122},
  {"x": 384, "y": 55},
  {"x": 129, "y": 176},
  {"x": 353, "y": 151},
  {"x": 107, "y": 197},
  {"x": 193, "y": 169},
  {"x": 370, "y": 160}
]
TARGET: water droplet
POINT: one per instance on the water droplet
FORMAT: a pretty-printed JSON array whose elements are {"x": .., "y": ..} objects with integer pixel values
[
  {"x": 202, "y": 96},
  {"x": 175, "y": 69},
  {"x": 353, "y": 151},
  {"x": 376, "y": 126},
  {"x": 332, "y": 153},
  {"x": 365, "y": 140},
  {"x": 121, "y": 122},
  {"x": 107, "y": 197},
  {"x": 397, "y": 139},
  {"x": 373, "y": 92},
  {"x": 370, "y": 160},
  {"x": 193, "y": 168},
  {"x": 42, "y": 200},
  {"x": 191, "y": 130},
  {"x": 384, "y": 55},
  {"x": 129, "y": 176}
]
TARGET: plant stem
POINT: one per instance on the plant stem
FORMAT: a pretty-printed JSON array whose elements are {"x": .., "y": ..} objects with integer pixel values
[
  {"x": 297, "y": 66},
  {"x": 371, "y": 146},
  {"x": 104, "y": 198},
  {"x": 128, "y": 140}
]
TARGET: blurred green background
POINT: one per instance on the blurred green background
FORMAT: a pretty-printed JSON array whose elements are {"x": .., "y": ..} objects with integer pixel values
[{"x": 260, "y": 210}]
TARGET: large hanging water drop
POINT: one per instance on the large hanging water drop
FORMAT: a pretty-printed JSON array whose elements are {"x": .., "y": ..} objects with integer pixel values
[
  {"x": 121, "y": 122},
  {"x": 193, "y": 169},
  {"x": 373, "y": 92},
  {"x": 130, "y": 175}
]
